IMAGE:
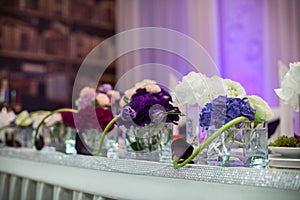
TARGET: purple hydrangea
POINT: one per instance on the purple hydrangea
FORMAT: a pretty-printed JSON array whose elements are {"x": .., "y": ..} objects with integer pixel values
[
  {"x": 224, "y": 109},
  {"x": 146, "y": 108}
]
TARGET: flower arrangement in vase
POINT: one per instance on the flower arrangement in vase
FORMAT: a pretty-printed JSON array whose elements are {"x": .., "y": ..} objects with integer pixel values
[
  {"x": 145, "y": 118},
  {"x": 226, "y": 117},
  {"x": 89, "y": 120},
  {"x": 18, "y": 127}
]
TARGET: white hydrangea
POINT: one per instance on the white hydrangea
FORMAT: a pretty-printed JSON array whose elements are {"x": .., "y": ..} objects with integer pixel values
[
  {"x": 290, "y": 86},
  {"x": 197, "y": 88}
]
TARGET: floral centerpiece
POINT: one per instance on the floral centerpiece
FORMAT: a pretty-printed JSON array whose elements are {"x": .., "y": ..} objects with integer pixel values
[
  {"x": 18, "y": 127},
  {"x": 90, "y": 119},
  {"x": 146, "y": 111},
  {"x": 223, "y": 105}
]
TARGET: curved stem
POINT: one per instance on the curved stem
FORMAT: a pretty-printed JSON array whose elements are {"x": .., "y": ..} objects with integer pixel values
[
  {"x": 104, "y": 134},
  {"x": 36, "y": 131},
  {"x": 4, "y": 127},
  {"x": 208, "y": 140}
]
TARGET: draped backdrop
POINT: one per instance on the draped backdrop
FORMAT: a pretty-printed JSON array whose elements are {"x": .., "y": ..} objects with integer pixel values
[{"x": 245, "y": 39}]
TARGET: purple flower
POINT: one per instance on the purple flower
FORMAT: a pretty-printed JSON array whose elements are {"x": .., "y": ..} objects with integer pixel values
[
  {"x": 149, "y": 108},
  {"x": 224, "y": 109},
  {"x": 157, "y": 114},
  {"x": 104, "y": 88},
  {"x": 127, "y": 113}
]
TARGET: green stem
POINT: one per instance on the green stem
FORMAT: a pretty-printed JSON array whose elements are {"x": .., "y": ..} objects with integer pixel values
[
  {"x": 36, "y": 131},
  {"x": 208, "y": 141},
  {"x": 104, "y": 134},
  {"x": 4, "y": 127}
]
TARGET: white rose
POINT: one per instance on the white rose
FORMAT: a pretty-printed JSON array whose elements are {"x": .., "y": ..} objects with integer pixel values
[
  {"x": 114, "y": 94},
  {"x": 153, "y": 88},
  {"x": 103, "y": 99},
  {"x": 144, "y": 83},
  {"x": 263, "y": 110},
  {"x": 122, "y": 102},
  {"x": 86, "y": 91},
  {"x": 23, "y": 119},
  {"x": 234, "y": 89},
  {"x": 128, "y": 93}
]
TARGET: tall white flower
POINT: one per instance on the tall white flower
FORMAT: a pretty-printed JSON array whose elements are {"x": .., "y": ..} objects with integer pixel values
[{"x": 290, "y": 86}]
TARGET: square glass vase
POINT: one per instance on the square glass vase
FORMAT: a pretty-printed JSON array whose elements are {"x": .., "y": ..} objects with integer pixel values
[
  {"x": 88, "y": 142},
  {"x": 150, "y": 142},
  {"x": 246, "y": 146}
]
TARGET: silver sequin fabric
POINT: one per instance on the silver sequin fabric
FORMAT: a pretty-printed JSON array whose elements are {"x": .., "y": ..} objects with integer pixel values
[{"x": 270, "y": 178}]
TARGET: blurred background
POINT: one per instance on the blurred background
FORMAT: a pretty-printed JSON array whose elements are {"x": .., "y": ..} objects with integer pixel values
[{"x": 43, "y": 43}]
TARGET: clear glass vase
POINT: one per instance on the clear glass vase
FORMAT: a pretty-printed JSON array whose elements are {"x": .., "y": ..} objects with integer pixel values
[
  {"x": 17, "y": 136},
  {"x": 59, "y": 138},
  {"x": 256, "y": 146},
  {"x": 150, "y": 142},
  {"x": 88, "y": 142},
  {"x": 192, "y": 125},
  {"x": 195, "y": 134},
  {"x": 226, "y": 149},
  {"x": 246, "y": 146},
  {"x": 24, "y": 135}
]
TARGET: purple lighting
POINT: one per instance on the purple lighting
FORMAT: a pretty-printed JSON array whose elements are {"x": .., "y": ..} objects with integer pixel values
[{"x": 241, "y": 36}]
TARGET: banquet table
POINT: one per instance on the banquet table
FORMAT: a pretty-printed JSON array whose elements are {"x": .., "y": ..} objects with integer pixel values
[{"x": 30, "y": 174}]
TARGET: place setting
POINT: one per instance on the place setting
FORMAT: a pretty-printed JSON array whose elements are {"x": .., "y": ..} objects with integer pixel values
[{"x": 285, "y": 153}]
